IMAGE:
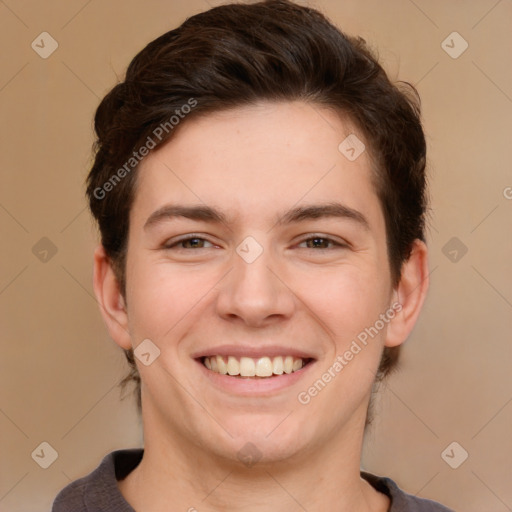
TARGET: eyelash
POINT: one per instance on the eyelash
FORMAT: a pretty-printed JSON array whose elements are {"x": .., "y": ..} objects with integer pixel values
[{"x": 334, "y": 243}]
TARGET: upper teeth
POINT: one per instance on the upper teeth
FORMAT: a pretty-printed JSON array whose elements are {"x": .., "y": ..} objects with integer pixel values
[{"x": 249, "y": 367}]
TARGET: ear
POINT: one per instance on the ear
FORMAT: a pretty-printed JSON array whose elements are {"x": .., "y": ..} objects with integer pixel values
[
  {"x": 409, "y": 295},
  {"x": 110, "y": 299}
]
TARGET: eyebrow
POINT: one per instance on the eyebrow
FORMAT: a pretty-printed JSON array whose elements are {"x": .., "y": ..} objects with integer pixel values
[
  {"x": 294, "y": 215},
  {"x": 333, "y": 210}
]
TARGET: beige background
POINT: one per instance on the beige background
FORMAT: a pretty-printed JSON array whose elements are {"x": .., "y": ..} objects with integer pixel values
[{"x": 59, "y": 368}]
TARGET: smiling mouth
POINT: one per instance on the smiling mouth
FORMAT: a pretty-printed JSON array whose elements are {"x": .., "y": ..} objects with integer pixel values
[{"x": 262, "y": 367}]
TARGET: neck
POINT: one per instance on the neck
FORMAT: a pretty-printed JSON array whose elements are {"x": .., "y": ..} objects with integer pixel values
[{"x": 323, "y": 478}]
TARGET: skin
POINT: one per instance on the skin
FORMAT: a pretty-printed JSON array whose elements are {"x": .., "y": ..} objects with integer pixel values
[{"x": 253, "y": 164}]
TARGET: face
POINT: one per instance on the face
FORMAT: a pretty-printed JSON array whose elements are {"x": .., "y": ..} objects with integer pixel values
[{"x": 256, "y": 246}]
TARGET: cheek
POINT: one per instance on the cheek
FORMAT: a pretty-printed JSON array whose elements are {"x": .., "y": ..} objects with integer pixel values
[
  {"x": 347, "y": 299},
  {"x": 160, "y": 297}
]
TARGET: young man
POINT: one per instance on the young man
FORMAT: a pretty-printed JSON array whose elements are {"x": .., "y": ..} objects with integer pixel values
[{"x": 259, "y": 186}]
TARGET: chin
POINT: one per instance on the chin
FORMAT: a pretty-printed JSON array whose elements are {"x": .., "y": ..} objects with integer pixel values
[{"x": 261, "y": 440}]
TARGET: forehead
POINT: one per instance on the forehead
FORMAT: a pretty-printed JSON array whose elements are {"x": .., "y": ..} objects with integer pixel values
[{"x": 251, "y": 161}]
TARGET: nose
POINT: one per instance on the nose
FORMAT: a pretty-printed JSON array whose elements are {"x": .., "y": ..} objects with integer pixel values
[{"x": 256, "y": 293}]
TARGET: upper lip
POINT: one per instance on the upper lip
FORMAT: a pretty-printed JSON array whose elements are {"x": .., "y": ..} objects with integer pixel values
[{"x": 252, "y": 351}]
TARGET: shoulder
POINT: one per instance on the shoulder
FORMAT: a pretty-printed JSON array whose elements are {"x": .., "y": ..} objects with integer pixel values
[
  {"x": 99, "y": 488},
  {"x": 71, "y": 497},
  {"x": 400, "y": 500}
]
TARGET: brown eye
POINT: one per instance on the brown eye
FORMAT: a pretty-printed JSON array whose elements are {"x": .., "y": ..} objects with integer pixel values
[
  {"x": 321, "y": 242},
  {"x": 191, "y": 242}
]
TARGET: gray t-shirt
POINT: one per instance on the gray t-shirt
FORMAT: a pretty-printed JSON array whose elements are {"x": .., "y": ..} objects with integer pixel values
[{"x": 98, "y": 491}]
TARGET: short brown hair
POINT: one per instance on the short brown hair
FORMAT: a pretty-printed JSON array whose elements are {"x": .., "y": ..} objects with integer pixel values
[{"x": 239, "y": 54}]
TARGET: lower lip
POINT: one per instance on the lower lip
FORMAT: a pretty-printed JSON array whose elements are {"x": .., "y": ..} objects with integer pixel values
[{"x": 254, "y": 386}]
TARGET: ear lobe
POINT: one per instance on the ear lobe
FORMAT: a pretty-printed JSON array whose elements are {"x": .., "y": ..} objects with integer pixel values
[
  {"x": 410, "y": 294},
  {"x": 110, "y": 299}
]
